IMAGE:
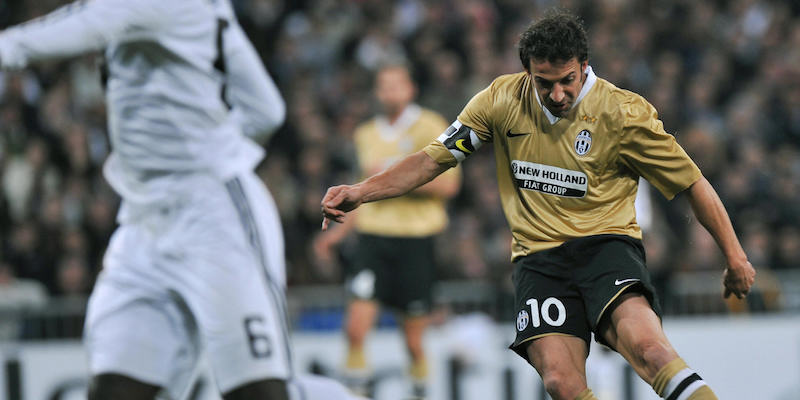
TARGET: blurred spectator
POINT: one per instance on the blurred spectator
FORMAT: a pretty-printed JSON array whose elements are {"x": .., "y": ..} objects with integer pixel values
[
  {"x": 16, "y": 295},
  {"x": 26, "y": 177},
  {"x": 74, "y": 281},
  {"x": 447, "y": 92},
  {"x": 24, "y": 251},
  {"x": 787, "y": 248}
]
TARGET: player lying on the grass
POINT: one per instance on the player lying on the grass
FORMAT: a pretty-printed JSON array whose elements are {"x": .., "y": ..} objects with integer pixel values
[{"x": 569, "y": 149}]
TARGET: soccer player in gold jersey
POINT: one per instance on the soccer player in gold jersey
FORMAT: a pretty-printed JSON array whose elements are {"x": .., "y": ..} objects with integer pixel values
[
  {"x": 394, "y": 262},
  {"x": 570, "y": 148}
]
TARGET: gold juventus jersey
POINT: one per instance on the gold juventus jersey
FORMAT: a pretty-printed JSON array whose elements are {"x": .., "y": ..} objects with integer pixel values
[
  {"x": 379, "y": 145},
  {"x": 571, "y": 177}
]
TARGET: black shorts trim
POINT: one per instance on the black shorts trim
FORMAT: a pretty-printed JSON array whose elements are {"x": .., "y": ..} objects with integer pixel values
[
  {"x": 613, "y": 299},
  {"x": 521, "y": 348},
  {"x": 636, "y": 287}
]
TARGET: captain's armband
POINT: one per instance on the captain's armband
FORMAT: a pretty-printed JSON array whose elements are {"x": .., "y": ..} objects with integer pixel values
[{"x": 460, "y": 140}]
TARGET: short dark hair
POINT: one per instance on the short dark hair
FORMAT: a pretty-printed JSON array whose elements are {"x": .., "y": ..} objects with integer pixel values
[{"x": 557, "y": 37}]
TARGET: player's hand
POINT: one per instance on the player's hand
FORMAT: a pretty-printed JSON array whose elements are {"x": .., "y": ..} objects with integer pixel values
[
  {"x": 738, "y": 279},
  {"x": 337, "y": 202}
]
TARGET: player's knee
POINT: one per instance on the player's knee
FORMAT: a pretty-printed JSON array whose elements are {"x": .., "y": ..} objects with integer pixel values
[
  {"x": 118, "y": 387},
  {"x": 651, "y": 353},
  {"x": 267, "y": 389},
  {"x": 563, "y": 385}
]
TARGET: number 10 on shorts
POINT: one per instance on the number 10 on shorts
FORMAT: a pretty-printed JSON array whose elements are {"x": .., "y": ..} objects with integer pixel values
[{"x": 545, "y": 312}]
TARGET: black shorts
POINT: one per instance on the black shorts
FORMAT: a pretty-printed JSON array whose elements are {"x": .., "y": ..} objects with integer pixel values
[
  {"x": 396, "y": 271},
  {"x": 566, "y": 290}
]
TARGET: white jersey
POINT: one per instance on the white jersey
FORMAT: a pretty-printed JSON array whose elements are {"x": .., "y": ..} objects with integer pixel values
[
  {"x": 185, "y": 87},
  {"x": 186, "y": 93}
]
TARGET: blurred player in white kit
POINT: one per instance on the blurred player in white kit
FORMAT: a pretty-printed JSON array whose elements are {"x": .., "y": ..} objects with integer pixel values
[{"x": 198, "y": 259}]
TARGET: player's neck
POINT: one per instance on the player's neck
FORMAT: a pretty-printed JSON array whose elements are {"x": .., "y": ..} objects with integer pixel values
[{"x": 394, "y": 114}]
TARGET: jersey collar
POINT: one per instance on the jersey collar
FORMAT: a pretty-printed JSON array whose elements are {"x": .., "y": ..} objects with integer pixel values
[
  {"x": 408, "y": 117},
  {"x": 591, "y": 78}
]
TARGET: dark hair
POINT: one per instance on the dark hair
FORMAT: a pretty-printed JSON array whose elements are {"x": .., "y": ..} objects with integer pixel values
[{"x": 559, "y": 36}]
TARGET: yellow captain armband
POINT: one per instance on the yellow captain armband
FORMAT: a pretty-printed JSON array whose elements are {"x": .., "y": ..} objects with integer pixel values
[{"x": 460, "y": 140}]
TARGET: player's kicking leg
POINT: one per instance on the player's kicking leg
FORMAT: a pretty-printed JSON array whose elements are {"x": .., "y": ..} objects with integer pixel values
[
  {"x": 561, "y": 362},
  {"x": 634, "y": 330}
]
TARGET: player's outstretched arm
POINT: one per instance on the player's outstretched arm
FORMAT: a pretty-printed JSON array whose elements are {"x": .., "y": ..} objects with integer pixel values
[
  {"x": 739, "y": 274},
  {"x": 78, "y": 28},
  {"x": 397, "y": 180},
  {"x": 445, "y": 186}
]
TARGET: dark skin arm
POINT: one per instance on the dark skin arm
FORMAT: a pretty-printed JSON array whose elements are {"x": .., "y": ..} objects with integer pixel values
[{"x": 406, "y": 175}]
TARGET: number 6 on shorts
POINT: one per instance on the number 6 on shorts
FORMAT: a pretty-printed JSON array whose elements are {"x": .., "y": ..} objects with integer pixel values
[{"x": 260, "y": 343}]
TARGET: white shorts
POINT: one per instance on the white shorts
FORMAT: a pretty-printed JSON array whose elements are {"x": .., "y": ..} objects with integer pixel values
[{"x": 205, "y": 272}]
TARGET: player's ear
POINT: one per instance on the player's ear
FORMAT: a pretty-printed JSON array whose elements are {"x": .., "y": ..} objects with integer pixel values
[{"x": 584, "y": 65}]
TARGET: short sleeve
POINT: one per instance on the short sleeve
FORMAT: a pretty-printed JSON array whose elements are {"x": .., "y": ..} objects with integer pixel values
[
  {"x": 476, "y": 114},
  {"x": 651, "y": 152},
  {"x": 440, "y": 154},
  {"x": 467, "y": 134},
  {"x": 440, "y": 124}
]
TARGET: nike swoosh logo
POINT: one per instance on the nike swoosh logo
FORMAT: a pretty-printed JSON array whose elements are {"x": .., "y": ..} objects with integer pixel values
[
  {"x": 620, "y": 282},
  {"x": 460, "y": 145},
  {"x": 509, "y": 134}
]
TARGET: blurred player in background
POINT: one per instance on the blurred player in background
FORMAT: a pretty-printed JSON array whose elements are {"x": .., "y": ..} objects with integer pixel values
[
  {"x": 197, "y": 261},
  {"x": 570, "y": 148},
  {"x": 394, "y": 263}
]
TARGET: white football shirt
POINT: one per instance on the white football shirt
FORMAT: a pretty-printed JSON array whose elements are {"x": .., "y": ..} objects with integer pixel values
[{"x": 186, "y": 91}]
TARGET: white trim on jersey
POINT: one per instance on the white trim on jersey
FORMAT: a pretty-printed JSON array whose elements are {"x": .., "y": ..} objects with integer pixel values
[
  {"x": 391, "y": 131},
  {"x": 591, "y": 78}
]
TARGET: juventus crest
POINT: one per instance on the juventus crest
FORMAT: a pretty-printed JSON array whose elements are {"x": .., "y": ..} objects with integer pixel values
[{"x": 583, "y": 142}]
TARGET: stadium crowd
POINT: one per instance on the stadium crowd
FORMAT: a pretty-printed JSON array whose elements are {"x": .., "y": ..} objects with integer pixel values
[{"x": 724, "y": 76}]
